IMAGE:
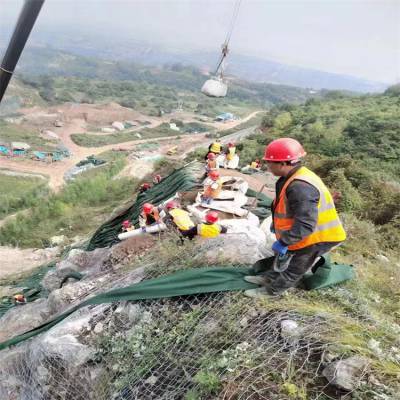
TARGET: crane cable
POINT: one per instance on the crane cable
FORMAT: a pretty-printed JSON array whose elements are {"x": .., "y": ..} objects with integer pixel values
[{"x": 225, "y": 49}]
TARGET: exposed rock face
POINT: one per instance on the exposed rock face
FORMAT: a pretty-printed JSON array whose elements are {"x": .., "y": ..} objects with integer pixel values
[
  {"x": 31, "y": 370},
  {"x": 346, "y": 374},
  {"x": 20, "y": 319},
  {"x": 225, "y": 248},
  {"x": 86, "y": 262}
]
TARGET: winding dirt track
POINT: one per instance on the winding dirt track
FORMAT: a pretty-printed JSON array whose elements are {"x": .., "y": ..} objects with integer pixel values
[{"x": 55, "y": 171}]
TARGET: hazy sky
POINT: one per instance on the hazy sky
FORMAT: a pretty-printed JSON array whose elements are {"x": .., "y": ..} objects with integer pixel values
[{"x": 355, "y": 37}]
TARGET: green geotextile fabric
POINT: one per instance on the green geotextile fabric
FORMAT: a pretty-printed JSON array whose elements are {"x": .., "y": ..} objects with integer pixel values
[
  {"x": 188, "y": 282},
  {"x": 328, "y": 275},
  {"x": 325, "y": 273},
  {"x": 263, "y": 206},
  {"x": 183, "y": 179}
]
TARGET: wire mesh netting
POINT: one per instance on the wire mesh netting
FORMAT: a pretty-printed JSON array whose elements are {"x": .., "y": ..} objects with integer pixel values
[{"x": 208, "y": 346}]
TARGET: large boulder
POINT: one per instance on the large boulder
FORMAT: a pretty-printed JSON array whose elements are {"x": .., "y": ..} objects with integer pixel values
[
  {"x": 44, "y": 366},
  {"x": 20, "y": 319},
  {"x": 250, "y": 240},
  {"x": 87, "y": 263}
]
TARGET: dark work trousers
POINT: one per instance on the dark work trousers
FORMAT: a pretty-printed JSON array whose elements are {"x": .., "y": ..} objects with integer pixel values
[{"x": 300, "y": 263}]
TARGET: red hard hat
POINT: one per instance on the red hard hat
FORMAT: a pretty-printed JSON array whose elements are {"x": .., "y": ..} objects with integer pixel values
[
  {"x": 171, "y": 204},
  {"x": 230, "y": 144},
  {"x": 284, "y": 149},
  {"x": 214, "y": 175},
  {"x": 146, "y": 185},
  {"x": 212, "y": 217},
  {"x": 211, "y": 156},
  {"x": 126, "y": 224},
  {"x": 147, "y": 207}
]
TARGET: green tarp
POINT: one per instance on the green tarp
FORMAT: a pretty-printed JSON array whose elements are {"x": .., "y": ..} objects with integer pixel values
[
  {"x": 183, "y": 179},
  {"x": 190, "y": 282}
]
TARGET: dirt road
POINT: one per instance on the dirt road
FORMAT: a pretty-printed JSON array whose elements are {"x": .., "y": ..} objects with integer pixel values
[{"x": 55, "y": 171}]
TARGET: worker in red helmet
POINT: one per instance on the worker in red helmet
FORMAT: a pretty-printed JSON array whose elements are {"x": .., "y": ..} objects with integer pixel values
[
  {"x": 157, "y": 179},
  {"x": 210, "y": 228},
  {"x": 127, "y": 226},
  {"x": 212, "y": 187},
  {"x": 305, "y": 220},
  {"x": 144, "y": 187},
  {"x": 211, "y": 163},
  {"x": 179, "y": 219},
  {"x": 150, "y": 215}
]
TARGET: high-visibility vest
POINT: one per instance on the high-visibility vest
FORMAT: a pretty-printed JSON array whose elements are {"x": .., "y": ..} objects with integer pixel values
[
  {"x": 181, "y": 219},
  {"x": 208, "y": 230},
  {"x": 231, "y": 153},
  {"x": 215, "y": 147},
  {"x": 328, "y": 228},
  {"x": 212, "y": 188}
]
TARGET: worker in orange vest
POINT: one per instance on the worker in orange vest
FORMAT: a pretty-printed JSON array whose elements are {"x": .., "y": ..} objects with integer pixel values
[
  {"x": 150, "y": 215},
  {"x": 305, "y": 220},
  {"x": 212, "y": 187},
  {"x": 211, "y": 162}
]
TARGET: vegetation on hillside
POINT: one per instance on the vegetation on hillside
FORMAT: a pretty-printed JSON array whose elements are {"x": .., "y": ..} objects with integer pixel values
[
  {"x": 19, "y": 192},
  {"x": 163, "y": 130},
  {"x": 76, "y": 210}
]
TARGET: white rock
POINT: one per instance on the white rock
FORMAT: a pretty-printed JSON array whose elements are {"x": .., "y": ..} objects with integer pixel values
[
  {"x": 108, "y": 130},
  {"x": 346, "y": 373},
  {"x": 381, "y": 257},
  {"x": 289, "y": 329},
  {"x": 119, "y": 126},
  {"x": 374, "y": 345},
  {"x": 98, "y": 328},
  {"x": 138, "y": 135},
  {"x": 57, "y": 240}
]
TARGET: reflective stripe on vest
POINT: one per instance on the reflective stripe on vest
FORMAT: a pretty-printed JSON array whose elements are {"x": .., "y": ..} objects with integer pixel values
[
  {"x": 208, "y": 230},
  {"x": 181, "y": 219},
  {"x": 328, "y": 228},
  {"x": 216, "y": 147}
]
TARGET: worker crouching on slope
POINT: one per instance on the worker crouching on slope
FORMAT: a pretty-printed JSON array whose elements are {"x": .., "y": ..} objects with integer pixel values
[
  {"x": 211, "y": 163},
  {"x": 150, "y": 215},
  {"x": 305, "y": 220},
  {"x": 180, "y": 219},
  {"x": 211, "y": 228},
  {"x": 212, "y": 187}
]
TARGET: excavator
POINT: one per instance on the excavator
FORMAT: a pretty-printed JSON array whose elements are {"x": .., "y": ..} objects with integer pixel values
[{"x": 214, "y": 87}]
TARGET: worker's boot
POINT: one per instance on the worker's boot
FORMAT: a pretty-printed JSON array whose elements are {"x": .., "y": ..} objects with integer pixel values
[{"x": 260, "y": 280}]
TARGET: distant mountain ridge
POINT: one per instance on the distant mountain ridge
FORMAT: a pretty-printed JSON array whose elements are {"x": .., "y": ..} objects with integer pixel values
[{"x": 249, "y": 68}]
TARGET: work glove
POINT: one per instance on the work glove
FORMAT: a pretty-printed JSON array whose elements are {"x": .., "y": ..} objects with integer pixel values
[{"x": 279, "y": 248}]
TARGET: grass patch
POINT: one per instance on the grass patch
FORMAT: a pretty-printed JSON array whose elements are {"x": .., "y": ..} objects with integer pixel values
[
  {"x": 18, "y": 133},
  {"x": 90, "y": 140},
  {"x": 78, "y": 209},
  {"x": 19, "y": 192}
]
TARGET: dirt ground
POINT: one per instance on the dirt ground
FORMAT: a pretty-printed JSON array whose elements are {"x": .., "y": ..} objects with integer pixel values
[{"x": 16, "y": 261}]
